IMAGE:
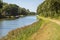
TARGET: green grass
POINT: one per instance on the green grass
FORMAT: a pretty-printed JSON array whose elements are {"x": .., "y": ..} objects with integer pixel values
[
  {"x": 23, "y": 33},
  {"x": 49, "y": 31},
  {"x": 55, "y": 31}
]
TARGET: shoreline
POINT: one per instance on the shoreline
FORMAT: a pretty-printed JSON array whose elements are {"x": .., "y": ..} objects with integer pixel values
[{"x": 26, "y": 29}]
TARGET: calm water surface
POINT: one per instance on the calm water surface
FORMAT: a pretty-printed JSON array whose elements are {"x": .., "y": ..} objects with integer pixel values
[{"x": 8, "y": 25}]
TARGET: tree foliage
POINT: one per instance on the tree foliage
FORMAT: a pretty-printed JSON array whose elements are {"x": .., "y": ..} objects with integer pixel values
[
  {"x": 49, "y": 8},
  {"x": 1, "y": 3},
  {"x": 12, "y": 10}
]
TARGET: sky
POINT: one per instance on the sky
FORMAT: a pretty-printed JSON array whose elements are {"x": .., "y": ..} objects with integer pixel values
[{"x": 28, "y": 4}]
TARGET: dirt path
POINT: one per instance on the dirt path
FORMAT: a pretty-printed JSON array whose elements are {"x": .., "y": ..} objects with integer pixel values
[
  {"x": 56, "y": 21},
  {"x": 47, "y": 32},
  {"x": 43, "y": 33},
  {"x": 53, "y": 20}
]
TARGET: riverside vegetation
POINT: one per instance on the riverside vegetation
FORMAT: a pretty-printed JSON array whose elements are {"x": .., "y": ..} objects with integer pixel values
[
  {"x": 23, "y": 33},
  {"x": 45, "y": 29},
  {"x": 13, "y": 10}
]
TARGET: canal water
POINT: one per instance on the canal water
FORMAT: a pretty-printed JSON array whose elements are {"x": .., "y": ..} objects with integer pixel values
[{"x": 8, "y": 25}]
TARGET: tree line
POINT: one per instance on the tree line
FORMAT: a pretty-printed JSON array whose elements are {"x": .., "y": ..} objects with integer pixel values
[
  {"x": 49, "y": 8},
  {"x": 8, "y": 10}
]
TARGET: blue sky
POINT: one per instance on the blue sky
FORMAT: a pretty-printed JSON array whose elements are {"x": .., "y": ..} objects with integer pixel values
[{"x": 28, "y": 4}]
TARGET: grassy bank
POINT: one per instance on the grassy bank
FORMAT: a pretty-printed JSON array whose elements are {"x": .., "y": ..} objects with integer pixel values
[
  {"x": 23, "y": 33},
  {"x": 49, "y": 31}
]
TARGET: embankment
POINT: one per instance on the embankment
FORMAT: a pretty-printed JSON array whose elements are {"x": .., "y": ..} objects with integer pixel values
[
  {"x": 44, "y": 29},
  {"x": 23, "y": 33}
]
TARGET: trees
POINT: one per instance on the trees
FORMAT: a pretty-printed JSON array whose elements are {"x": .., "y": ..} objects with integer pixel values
[
  {"x": 1, "y": 5},
  {"x": 13, "y": 9},
  {"x": 23, "y": 11},
  {"x": 32, "y": 13},
  {"x": 10, "y": 10},
  {"x": 49, "y": 8}
]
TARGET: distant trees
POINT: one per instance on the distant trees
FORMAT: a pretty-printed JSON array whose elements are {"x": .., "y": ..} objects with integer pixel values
[
  {"x": 23, "y": 11},
  {"x": 12, "y": 10},
  {"x": 32, "y": 13}
]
